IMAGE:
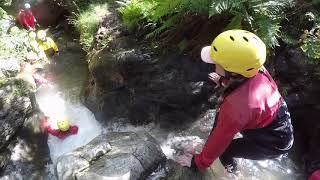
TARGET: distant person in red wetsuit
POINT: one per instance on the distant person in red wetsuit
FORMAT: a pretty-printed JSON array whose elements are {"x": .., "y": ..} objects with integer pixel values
[
  {"x": 26, "y": 18},
  {"x": 250, "y": 104},
  {"x": 64, "y": 128}
]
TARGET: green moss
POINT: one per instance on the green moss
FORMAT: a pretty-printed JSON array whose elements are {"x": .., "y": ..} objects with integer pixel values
[
  {"x": 14, "y": 41},
  {"x": 5, "y": 2},
  {"x": 87, "y": 21},
  {"x": 136, "y": 11}
]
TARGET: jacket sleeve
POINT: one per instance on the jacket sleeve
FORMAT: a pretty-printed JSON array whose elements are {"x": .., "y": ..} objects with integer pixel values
[
  {"x": 219, "y": 139},
  {"x": 54, "y": 132}
]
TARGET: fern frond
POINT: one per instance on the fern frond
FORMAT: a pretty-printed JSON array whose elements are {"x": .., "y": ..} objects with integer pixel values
[
  {"x": 165, "y": 8},
  {"x": 287, "y": 38},
  {"x": 268, "y": 31},
  {"x": 311, "y": 48},
  {"x": 198, "y": 6},
  {"x": 223, "y": 6},
  {"x": 271, "y": 8},
  {"x": 235, "y": 23},
  {"x": 165, "y": 25}
]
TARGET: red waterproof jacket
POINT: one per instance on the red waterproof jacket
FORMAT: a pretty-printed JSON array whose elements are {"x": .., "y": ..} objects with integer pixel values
[
  {"x": 252, "y": 105},
  {"x": 62, "y": 135},
  {"x": 45, "y": 125},
  {"x": 27, "y": 20},
  {"x": 315, "y": 175}
]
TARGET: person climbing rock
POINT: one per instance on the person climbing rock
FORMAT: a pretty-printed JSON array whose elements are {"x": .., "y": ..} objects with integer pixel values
[
  {"x": 250, "y": 104},
  {"x": 64, "y": 128},
  {"x": 47, "y": 44},
  {"x": 30, "y": 74},
  {"x": 35, "y": 48},
  {"x": 26, "y": 18}
]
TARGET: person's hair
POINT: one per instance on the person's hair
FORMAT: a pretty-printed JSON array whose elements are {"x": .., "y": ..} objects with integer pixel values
[{"x": 234, "y": 81}]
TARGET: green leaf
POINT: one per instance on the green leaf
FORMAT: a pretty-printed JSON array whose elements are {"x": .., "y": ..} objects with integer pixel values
[
  {"x": 268, "y": 31},
  {"x": 166, "y": 24},
  {"x": 235, "y": 23},
  {"x": 183, "y": 45},
  {"x": 311, "y": 48},
  {"x": 223, "y": 6}
]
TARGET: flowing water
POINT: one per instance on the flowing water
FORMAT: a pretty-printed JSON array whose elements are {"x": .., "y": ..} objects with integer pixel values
[
  {"x": 60, "y": 100},
  {"x": 63, "y": 101}
]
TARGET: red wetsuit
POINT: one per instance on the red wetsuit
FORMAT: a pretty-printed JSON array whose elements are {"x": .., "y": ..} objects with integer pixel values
[
  {"x": 27, "y": 20},
  {"x": 62, "y": 135},
  {"x": 252, "y": 105},
  {"x": 56, "y": 132}
]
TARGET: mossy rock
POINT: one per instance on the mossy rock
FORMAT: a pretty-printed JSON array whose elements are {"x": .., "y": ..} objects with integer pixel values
[{"x": 5, "y": 2}]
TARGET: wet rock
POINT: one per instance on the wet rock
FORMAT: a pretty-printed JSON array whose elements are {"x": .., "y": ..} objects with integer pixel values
[
  {"x": 5, "y": 2},
  {"x": 130, "y": 79},
  {"x": 47, "y": 12},
  {"x": 10, "y": 67},
  {"x": 298, "y": 80},
  {"x": 15, "y": 107},
  {"x": 127, "y": 155},
  {"x": 29, "y": 152},
  {"x": 176, "y": 172},
  {"x": 4, "y": 158}
]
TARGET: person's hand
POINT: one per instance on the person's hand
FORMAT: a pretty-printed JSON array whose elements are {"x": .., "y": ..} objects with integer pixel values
[
  {"x": 185, "y": 160},
  {"x": 214, "y": 77}
]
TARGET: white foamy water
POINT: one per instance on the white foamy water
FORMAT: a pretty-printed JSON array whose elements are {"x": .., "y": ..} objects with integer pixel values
[{"x": 53, "y": 104}]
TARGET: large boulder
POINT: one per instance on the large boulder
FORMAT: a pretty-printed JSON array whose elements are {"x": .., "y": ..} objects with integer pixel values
[
  {"x": 132, "y": 80},
  {"x": 298, "y": 80},
  {"x": 47, "y": 12},
  {"x": 10, "y": 68},
  {"x": 5, "y": 2},
  {"x": 114, "y": 155},
  {"x": 15, "y": 107}
]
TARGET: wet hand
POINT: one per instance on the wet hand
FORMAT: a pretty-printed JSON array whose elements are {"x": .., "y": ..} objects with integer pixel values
[
  {"x": 185, "y": 160},
  {"x": 214, "y": 77}
]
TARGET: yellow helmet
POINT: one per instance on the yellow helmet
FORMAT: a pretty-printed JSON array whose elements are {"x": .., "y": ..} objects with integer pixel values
[
  {"x": 239, "y": 51},
  {"x": 63, "y": 125},
  {"x": 32, "y": 35},
  {"x": 41, "y": 34}
]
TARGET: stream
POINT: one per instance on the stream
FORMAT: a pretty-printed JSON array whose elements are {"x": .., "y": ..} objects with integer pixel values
[{"x": 63, "y": 100}]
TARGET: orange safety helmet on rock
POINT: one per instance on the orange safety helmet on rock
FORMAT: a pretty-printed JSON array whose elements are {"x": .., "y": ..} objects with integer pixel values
[{"x": 237, "y": 51}]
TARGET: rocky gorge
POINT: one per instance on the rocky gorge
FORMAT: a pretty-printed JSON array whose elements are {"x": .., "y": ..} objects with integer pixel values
[{"x": 136, "y": 81}]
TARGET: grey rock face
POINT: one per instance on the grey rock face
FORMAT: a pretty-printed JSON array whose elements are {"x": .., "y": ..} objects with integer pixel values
[
  {"x": 130, "y": 80},
  {"x": 111, "y": 156},
  {"x": 10, "y": 67},
  {"x": 15, "y": 106}
]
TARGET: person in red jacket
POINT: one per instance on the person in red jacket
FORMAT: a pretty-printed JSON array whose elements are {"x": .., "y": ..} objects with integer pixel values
[
  {"x": 315, "y": 175},
  {"x": 251, "y": 105},
  {"x": 64, "y": 128},
  {"x": 26, "y": 18}
]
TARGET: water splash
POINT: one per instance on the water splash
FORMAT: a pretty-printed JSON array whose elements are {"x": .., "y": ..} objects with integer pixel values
[{"x": 53, "y": 104}]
